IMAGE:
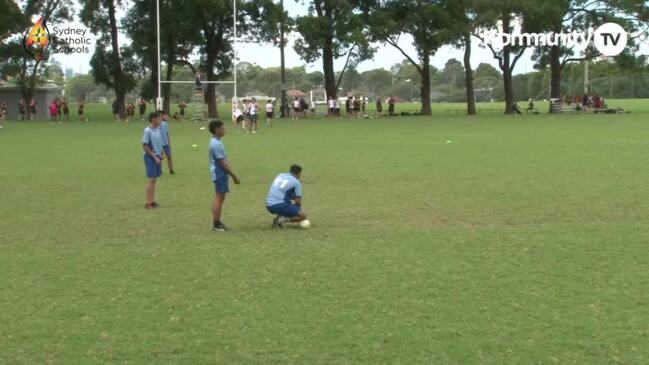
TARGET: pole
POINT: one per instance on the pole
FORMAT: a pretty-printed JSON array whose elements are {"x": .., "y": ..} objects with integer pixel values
[
  {"x": 282, "y": 62},
  {"x": 157, "y": 19},
  {"x": 234, "y": 25}
]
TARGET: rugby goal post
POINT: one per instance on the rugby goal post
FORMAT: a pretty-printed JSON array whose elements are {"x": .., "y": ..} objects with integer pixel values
[{"x": 234, "y": 48}]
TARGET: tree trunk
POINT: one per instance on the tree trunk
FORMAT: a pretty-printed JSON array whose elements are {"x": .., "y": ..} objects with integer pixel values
[
  {"x": 210, "y": 61},
  {"x": 507, "y": 71},
  {"x": 555, "y": 72},
  {"x": 425, "y": 84},
  {"x": 328, "y": 69},
  {"x": 120, "y": 92},
  {"x": 470, "y": 94}
]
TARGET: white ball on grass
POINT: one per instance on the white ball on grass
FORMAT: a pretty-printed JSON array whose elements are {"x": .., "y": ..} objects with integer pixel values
[{"x": 305, "y": 224}]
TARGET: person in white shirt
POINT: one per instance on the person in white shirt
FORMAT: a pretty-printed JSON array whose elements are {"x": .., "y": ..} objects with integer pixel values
[
  {"x": 296, "y": 109},
  {"x": 254, "y": 115},
  {"x": 337, "y": 107},
  {"x": 237, "y": 115},
  {"x": 270, "y": 112},
  {"x": 331, "y": 104}
]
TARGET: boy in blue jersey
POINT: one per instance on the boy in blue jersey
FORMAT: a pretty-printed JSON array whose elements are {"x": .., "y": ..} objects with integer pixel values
[
  {"x": 152, "y": 143},
  {"x": 285, "y": 198},
  {"x": 220, "y": 169},
  {"x": 164, "y": 126}
]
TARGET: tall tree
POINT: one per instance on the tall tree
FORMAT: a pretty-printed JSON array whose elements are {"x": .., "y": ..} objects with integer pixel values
[
  {"x": 107, "y": 62},
  {"x": 566, "y": 15},
  {"x": 502, "y": 15},
  {"x": 333, "y": 29},
  {"x": 430, "y": 24}
]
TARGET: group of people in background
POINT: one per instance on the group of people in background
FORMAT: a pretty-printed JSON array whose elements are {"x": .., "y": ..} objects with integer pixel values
[
  {"x": 301, "y": 107},
  {"x": 356, "y": 107},
  {"x": 245, "y": 115}
]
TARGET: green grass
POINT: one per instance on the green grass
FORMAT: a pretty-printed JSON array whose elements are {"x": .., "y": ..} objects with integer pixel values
[{"x": 523, "y": 241}]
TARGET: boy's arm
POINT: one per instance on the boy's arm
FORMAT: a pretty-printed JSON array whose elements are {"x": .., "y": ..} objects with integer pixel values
[
  {"x": 228, "y": 170},
  {"x": 150, "y": 152}
]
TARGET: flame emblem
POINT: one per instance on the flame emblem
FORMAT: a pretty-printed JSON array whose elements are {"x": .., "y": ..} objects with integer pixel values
[{"x": 37, "y": 39}]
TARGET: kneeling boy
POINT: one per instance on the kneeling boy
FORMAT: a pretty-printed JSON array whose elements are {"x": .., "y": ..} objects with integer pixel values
[{"x": 285, "y": 198}]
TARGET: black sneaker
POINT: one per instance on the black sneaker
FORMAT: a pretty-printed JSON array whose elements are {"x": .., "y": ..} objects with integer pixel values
[
  {"x": 219, "y": 228},
  {"x": 172, "y": 172},
  {"x": 154, "y": 205},
  {"x": 276, "y": 224}
]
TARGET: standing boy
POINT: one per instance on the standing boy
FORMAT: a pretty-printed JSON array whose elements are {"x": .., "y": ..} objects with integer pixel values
[
  {"x": 166, "y": 145},
  {"x": 220, "y": 170},
  {"x": 152, "y": 143},
  {"x": 270, "y": 112}
]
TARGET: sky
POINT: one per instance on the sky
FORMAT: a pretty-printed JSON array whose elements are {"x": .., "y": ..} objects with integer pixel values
[{"x": 269, "y": 56}]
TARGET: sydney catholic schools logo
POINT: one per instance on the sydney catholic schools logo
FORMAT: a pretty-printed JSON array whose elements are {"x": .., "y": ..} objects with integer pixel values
[
  {"x": 66, "y": 39},
  {"x": 609, "y": 39},
  {"x": 37, "y": 40}
]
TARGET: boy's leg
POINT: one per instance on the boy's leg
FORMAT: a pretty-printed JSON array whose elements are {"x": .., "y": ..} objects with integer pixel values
[
  {"x": 217, "y": 209},
  {"x": 150, "y": 191}
]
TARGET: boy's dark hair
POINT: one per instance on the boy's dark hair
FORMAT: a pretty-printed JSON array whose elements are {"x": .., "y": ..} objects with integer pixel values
[
  {"x": 214, "y": 125},
  {"x": 295, "y": 169},
  {"x": 153, "y": 115}
]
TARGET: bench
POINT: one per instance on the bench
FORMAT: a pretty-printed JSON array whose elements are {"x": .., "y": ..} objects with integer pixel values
[
  {"x": 491, "y": 110},
  {"x": 456, "y": 111}
]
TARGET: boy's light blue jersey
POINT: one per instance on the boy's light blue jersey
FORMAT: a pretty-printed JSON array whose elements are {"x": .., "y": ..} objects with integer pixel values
[
  {"x": 165, "y": 133},
  {"x": 217, "y": 153},
  {"x": 285, "y": 187},
  {"x": 153, "y": 138}
]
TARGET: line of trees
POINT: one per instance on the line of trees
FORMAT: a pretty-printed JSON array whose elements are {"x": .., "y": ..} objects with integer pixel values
[{"x": 197, "y": 36}]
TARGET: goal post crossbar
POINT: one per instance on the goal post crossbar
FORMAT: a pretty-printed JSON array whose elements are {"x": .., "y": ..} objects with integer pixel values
[{"x": 194, "y": 82}]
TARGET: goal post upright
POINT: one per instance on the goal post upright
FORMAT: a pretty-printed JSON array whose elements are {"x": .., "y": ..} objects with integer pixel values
[{"x": 159, "y": 63}]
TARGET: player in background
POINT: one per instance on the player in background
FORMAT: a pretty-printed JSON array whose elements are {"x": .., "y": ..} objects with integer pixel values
[
  {"x": 246, "y": 114},
  {"x": 254, "y": 116},
  {"x": 379, "y": 107},
  {"x": 66, "y": 109},
  {"x": 141, "y": 107},
  {"x": 32, "y": 109},
  {"x": 166, "y": 138},
  {"x": 115, "y": 108},
  {"x": 82, "y": 111},
  {"x": 182, "y": 106},
  {"x": 331, "y": 105},
  {"x": 21, "y": 109},
  {"x": 237, "y": 115},
  {"x": 285, "y": 198},
  {"x": 220, "y": 170},
  {"x": 296, "y": 108},
  {"x": 270, "y": 112},
  {"x": 54, "y": 111},
  {"x": 3, "y": 111},
  {"x": 152, "y": 144},
  {"x": 337, "y": 107}
]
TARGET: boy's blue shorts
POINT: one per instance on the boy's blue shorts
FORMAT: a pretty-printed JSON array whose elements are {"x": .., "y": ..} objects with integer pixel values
[
  {"x": 153, "y": 170},
  {"x": 285, "y": 210},
  {"x": 222, "y": 185},
  {"x": 167, "y": 150}
]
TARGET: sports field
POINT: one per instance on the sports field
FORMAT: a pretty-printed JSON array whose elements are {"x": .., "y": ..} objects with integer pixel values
[{"x": 443, "y": 240}]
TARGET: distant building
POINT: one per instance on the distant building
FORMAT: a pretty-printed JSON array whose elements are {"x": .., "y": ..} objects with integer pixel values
[
  {"x": 42, "y": 94},
  {"x": 69, "y": 73}
]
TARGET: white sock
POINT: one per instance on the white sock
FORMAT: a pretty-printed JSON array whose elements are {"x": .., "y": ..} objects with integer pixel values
[{"x": 283, "y": 220}]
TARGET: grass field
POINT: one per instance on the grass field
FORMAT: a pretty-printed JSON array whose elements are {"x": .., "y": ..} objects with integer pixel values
[{"x": 522, "y": 241}]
